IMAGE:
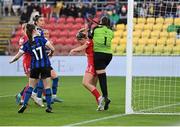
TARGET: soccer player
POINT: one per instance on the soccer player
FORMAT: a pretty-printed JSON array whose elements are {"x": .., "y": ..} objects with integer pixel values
[
  {"x": 37, "y": 93},
  {"x": 54, "y": 76},
  {"x": 102, "y": 36},
  {"x": 26, "y": 66},
  {"x": 90, "y": 77},
  {"x": 40, "y": 64}
]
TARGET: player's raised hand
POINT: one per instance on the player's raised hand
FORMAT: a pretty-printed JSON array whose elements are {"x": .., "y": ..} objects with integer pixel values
[
  {"x": 50, "y": 54},
  {"x": 72, "y": 52}
]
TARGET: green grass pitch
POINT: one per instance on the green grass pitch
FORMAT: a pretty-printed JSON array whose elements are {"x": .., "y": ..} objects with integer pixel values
[{"x": 78, "y": 106}]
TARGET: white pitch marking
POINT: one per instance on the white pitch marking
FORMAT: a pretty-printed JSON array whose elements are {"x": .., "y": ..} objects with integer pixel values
[
  {"x": 3, "y": 96},
  {"x": 95, "y": 120}
]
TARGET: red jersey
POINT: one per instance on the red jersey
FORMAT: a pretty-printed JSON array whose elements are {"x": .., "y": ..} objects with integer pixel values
[
  {"x": 90, "y": 57},
  {"x": 90, "y": 52},
  {"x": 26, "y": 56}
]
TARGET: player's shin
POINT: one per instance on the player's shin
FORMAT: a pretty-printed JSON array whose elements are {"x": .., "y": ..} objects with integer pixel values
[
  {"x": 40, "y": 88},
  {"x": 103, "y": 84},
  {"x": 27, "y": 95},
  {"x": 55, "y": 85},
  {"x": 48, "y": 97}
]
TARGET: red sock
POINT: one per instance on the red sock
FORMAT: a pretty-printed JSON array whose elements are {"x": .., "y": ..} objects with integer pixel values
[{"x": 96, "y": 94}]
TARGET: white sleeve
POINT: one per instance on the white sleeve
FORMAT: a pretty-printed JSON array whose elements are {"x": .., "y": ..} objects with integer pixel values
[
  {"x": 21, "y": 49},
  {"x": 48, "y": 42}
]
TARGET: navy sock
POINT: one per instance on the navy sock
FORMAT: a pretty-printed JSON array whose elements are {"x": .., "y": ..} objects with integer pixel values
[
  {"x": 40, "y": 88},
  {"x": 103, "y": 84},
  {"x": 48, "y": 97},
  {"x": 54, "y": 86},
  {"x": 27, "y": 95}
]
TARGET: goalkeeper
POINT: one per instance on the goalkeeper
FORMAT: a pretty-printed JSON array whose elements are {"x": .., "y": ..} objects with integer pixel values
[{"x": 102, "y": 36}]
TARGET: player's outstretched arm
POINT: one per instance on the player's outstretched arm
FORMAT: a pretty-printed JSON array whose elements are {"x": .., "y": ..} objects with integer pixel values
[
  {"x": 49, "y": 45},
  {"x": 16, "y": 57},
  {"x": 78, "y": 49}
]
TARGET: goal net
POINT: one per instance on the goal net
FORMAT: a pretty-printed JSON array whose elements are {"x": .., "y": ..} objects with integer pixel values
[{"x": 154, "y": 66}]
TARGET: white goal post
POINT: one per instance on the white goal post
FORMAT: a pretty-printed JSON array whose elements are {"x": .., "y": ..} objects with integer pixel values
[{"x": 148, "y": 92}]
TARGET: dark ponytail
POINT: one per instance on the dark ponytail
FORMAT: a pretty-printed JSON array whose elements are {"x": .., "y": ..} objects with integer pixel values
[
  {"x": 36, "y": 18},
  {"x": 29, "y": 31},
  {"x": 105, "y": 21}
]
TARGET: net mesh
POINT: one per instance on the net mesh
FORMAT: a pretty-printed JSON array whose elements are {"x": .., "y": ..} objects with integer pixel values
[{"x": 156, "y": 50}]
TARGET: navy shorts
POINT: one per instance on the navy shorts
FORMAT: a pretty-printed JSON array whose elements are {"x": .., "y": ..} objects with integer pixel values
[{"x": 40, "y": 73}]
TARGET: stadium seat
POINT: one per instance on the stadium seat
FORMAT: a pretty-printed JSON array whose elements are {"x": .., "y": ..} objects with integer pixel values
[
  {"x": 145, "y": 34},
  {"x": 135, "y": 41},
  {"x": 63, "y": 33},
  {"x": 120, "y": 27},
  {"x": 60, "y": 40},
  {"x": 135, "y": 21},
  {"x": 122, "y": 41},
  {"x": 51, "y": 26},
  {"x": 159, "y": 20},
  {"x": 177, "y": 42},
  {"x": 142, "y": 41},
  {"x": 138, "y": 27},
  {"x": 139, "y": 50},
  {"x": 148, "y": 50},
  {"x": 168, "y": 50},
  {"x": 54, "y": 33},
  {"x": 163, "y": 34},
  {"x": 118, "y": 33},
  {"x": 121, "y": 49},
  {"x": 61, "y": 20},
  {"x": 155, "y": 34},
  {"x": 60, "y": 27},
  {"x": 165, "y": 26},
  {"x": 72, "y": 33},
  {"x": 141, "y": 20},
  {"x": 176, "y": 21},
  {"x": 137, "y": 34},
  {"x": 168, "y": 21},
  {"x": 79, "y": 20},
  {"x": 176, "y": 50},
  {"x": 70, "y": 20},
  {"x": 150, "y": 20},
  {"x": 113, "y": 47},
  {"x": 170, "y": 42},
  {"x": 69, "y": 26},
  {"x": 77, "y": 26},
  {"x": 148, "y": 26},
  {"x": 52, "y": 20},
  {"x": 157, "y": 27},
  {"x": 116, "y": 41},
  {"x": 158, "y": 50},
  {"x": 124, "y": 34},
  {"x": 161, "y": 42},
  {"x": 151, "y": 42},
  {"x": 54, "y": 40},
  {"x": 69, "y": 41},
  {"x": 172, "y": 35}
]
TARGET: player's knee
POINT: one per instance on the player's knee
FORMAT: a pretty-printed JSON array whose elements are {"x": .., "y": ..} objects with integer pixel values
[
  {"x": 85, "y": 83},
  {"x": 53, "y": 74}
]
